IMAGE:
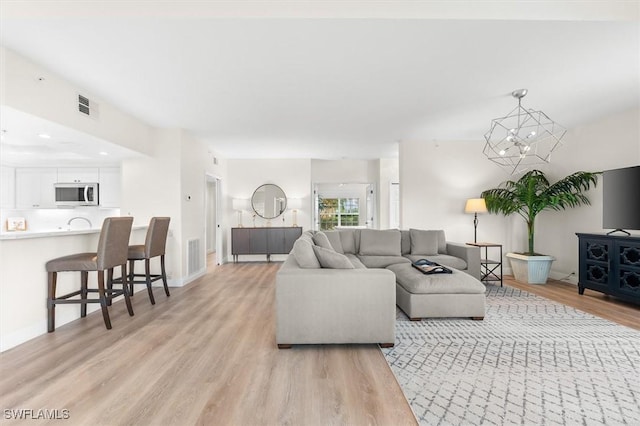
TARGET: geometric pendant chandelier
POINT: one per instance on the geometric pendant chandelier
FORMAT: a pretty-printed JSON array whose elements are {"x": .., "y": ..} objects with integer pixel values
[{"x": 523, "y": 138}]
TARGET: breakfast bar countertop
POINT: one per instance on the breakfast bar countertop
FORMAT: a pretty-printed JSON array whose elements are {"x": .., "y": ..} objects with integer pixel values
[{"x": 20, "y": 235}]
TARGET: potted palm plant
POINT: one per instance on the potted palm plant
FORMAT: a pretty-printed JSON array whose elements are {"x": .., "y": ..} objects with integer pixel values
[{"x": 528, "y": 196}]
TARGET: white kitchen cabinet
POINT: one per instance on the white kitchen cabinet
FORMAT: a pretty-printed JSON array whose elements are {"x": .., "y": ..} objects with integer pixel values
[
  {"x": 7, "y": 187},
  {"x": 35, "y": 187},
  {"x": 78, "y": 174},
  {"x": 110, "y": 182}
]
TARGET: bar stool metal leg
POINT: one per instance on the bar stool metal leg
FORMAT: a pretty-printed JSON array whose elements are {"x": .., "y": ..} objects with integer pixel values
[
  {"x": 84, "y": 279},
  {"x": 147, "y": 271},
  {"x": 51, "y": 306},
  {"x": 103, "y": 300},
  {"x": 164, "y": 276},
  {"x": 132, "y": 264},
  {"x": 127, "y": 298}
]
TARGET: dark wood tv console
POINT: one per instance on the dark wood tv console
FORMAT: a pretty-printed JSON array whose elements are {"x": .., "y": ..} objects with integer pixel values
[
  {"x": 269, "y": 240},
  {"x": 610, "y": 264}
]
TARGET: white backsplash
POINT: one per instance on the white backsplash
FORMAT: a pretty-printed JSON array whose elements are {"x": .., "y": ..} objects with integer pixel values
[{"x": 53, "y": 219}]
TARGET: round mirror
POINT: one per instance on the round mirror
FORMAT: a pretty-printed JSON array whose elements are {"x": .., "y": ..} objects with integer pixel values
[{"x": 269, "y": 201}]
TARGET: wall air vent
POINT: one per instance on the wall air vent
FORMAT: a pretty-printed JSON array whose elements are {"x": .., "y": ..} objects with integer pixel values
[
  {"x": 194, "y": 256},
  {"x": 87, "y": 107}
]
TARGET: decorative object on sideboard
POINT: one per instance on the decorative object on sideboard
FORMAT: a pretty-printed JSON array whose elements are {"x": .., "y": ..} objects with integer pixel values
[
  {"x": 269, "y": 201},
  {"x": 16, "y": 224},
  {"x": 239, "y": 204},
  {"x": 523, "y": 138},
  {"x": 528, "y": 196},
  {"x": 475, "y": 206},
  {"x": 294, "y": 204}
]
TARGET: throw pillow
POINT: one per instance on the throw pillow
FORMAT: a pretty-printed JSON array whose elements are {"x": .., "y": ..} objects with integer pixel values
[
  {"x": 303, "y": 254},
  {"x": 331, "y": 259},
  {"x": 321, "y": 240},
  {"x": 374, "y": 242},
  {"x": 424, "y": 242}
]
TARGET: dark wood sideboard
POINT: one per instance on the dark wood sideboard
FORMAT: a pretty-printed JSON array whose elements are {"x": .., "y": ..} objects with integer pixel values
[
  {"x": 610, "y": 264},
  {"x": 268, "y": 241}
]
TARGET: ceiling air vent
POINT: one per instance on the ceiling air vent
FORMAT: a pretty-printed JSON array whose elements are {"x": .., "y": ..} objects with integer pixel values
[{"x": 87, "y": 107}]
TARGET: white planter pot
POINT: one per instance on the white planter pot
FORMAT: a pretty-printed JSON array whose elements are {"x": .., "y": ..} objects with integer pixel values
[{"x": 530, "y": 269}]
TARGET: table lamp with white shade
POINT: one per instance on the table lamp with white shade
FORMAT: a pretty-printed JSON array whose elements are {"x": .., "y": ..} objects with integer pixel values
[
  {"x": 475, "y": 206},
  {"x": 239, "y": 204},
  {"x": 294, "y": 204}
]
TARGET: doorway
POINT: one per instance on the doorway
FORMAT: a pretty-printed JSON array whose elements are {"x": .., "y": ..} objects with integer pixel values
[{"x": 213, "y": 234}]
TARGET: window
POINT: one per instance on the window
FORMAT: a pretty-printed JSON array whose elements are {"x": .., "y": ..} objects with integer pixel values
[{"x": 339, "y": 212}]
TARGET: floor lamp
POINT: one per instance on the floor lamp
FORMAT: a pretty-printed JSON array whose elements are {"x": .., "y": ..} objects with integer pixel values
[{"x": 475, "y": 206}]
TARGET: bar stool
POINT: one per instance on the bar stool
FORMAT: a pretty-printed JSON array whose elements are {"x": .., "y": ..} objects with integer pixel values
[
  {"x": 154, "y": 246},
  {"x": 112, "y": 252}
]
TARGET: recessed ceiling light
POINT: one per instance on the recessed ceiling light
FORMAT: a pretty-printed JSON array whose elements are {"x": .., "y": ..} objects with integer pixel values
[
  {"x": 103, "y": 153},
  {"x": 44, "y": 136}
]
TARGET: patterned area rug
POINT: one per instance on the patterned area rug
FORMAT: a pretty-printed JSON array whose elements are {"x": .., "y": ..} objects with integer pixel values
[{"x": 530, "y": 362}]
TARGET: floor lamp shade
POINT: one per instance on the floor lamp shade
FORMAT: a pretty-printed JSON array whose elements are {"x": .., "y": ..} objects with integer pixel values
[{"x": 475, "y": 206}]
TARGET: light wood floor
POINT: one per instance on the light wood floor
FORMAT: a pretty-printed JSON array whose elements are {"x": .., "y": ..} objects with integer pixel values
[{"x": 207, "y": 355}]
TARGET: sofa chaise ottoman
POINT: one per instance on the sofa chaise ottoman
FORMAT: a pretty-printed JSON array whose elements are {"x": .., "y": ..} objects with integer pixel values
[{"x": 438, "y": 295}]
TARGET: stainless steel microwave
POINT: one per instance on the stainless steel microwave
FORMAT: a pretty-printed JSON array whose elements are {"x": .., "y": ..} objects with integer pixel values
[{"x": 76, "y": 194}]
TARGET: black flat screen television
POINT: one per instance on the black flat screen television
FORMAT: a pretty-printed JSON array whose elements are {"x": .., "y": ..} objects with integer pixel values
[{"x": 621, "y": 199}]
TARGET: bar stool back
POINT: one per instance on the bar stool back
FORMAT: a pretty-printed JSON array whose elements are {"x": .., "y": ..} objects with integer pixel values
[
  {"x": 154, "y": 246},
  {"x": 112, "y": 251}
]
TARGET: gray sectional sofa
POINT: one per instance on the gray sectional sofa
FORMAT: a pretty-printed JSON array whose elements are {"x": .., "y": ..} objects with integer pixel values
[{"x": 343, "y": 286}]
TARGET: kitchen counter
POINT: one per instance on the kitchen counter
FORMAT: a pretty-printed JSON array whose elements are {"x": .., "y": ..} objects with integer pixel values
[
  {"x": 20, "y": 235},
  {"x": 23, "y": 273}
]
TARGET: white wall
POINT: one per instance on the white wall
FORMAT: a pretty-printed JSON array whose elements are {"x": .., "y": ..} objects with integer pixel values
[
  {"x": 30, "y": 88},
  {"x": 194, "y": 166},
  {"x": 344, "y": 171},
  {"x": 389, "y": 172},
  {"x": 609, "y": 143},
  {"x": 437, "y": 177},
  {"x": 244, "y": 176},
  {"x": 151, "y": 187}
]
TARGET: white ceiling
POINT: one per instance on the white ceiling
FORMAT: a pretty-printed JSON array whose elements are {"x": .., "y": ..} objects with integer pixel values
[{"x": 336, "y": 79}]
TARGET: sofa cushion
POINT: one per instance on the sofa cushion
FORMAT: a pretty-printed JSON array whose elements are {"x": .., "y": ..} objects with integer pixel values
[
  {"x": 416, "y": 282},
  {"x": 303, "y": 252},
  {"x": 424, "y": 242},
  {"x": 442, "y": 259},
  {"x": 442, "y": 242},
  {"x": 321, "y": 240},
  {"x": 331, "y": 259},
  {"x": 375, "y": 242},
  {"x": 334, "y": 239},
  {"x": 348, "y": 240},
  {"x": 405, "y": 241},
  {"x": 381, "y": 261}
]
